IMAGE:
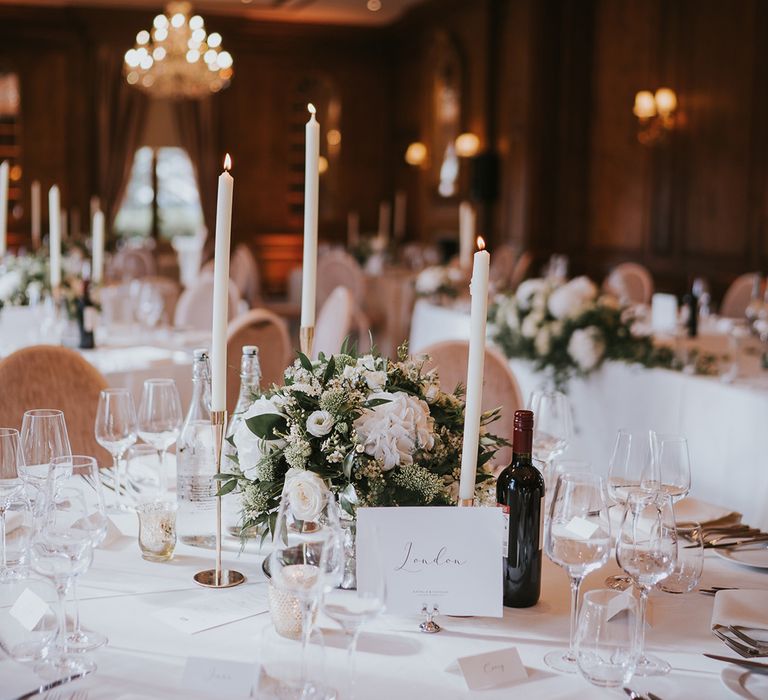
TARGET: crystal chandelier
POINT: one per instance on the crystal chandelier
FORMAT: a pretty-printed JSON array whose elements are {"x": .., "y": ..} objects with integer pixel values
[{"x": 177, "y": 59}]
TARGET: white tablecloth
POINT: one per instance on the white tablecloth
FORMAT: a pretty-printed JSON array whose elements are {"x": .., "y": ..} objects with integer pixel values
[{"x": 726, "y": 424}]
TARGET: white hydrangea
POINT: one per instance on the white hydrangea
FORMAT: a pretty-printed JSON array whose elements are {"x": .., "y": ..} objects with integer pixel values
[
  {"x": 586, "y": 347},
  {"x": 529, "y": 289},
  {"x": 570, "y": 299}
]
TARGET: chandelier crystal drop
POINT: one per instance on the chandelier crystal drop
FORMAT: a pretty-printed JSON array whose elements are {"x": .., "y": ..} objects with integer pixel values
[{"x": 177, "y": 58}]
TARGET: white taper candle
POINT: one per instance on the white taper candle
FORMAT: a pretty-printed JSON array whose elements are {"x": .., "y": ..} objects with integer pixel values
[
  {"x": 311, "y": 201},
  {"x": 475, "y": 368},
  {"x": 97, "y": 246},
  {"x": 54, "y": 236},
  {"x": 3, "y": 207},
  {"x": 221, "y": 289}
]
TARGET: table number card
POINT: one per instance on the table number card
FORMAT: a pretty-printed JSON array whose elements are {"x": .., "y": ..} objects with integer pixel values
[{"x": 447, "y": 557}]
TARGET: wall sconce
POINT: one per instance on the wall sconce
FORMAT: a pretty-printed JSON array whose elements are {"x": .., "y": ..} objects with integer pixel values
[
  {"x": 467, "y": 145},
  {"x": 416, "y": 154},
  {"x": 322, "y": 165},
  {"x": 655, "y": 114}
]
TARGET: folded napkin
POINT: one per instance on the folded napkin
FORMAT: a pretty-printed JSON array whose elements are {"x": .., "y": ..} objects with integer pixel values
[
  {"x": 692, "y": 509},
  {"x": 743, "y": 607}
]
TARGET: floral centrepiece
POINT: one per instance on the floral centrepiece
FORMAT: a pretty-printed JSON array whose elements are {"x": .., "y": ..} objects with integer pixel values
[
  {"x": 570, "y": 329},
  {"x": 376, "y": 431},
  {"x": 441, "y": 280}
]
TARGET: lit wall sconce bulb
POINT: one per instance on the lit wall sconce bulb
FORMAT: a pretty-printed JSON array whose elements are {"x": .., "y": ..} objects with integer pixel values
[
  {"x": 322, "y": 165},
  {"x": 645, "y": 105},
  {"x": 416, "y": 154},
  {"x": 467, "y": 145},
  {"x": 666, "y": 101}
]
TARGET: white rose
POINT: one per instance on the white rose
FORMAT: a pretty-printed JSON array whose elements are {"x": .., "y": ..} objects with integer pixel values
[
  {"x": 586, "y": 347},
  {"x": 392, "y": 431},
  {"x": 319, "y": 423},
  {"x": 543, "y": 341},
  {"x": 376, "y": 380},
  {"x": 528, "y": 289},
  {"x": 509, "y": 315},
  {"x": 570, "y": 299},
  {"x": 250, "y": 448},
  {"x": 307, "y": 493},
  {"x": 531, "y": 323}
]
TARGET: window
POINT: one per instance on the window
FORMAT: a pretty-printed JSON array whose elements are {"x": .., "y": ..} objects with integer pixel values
[{"x": 161, "y": 197}]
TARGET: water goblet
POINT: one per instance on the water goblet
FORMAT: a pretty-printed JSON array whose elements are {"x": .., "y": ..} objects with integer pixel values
[
  {"x": 579, "y": 540},
  {"x": 160, "y": 419},
  {"x": 43, "y": 437},
  {"x": 646, "y": 550},
  {"x": 11, "y": 485},
  {"x": 116, "y": 430},
  {"x": 673, "y": 468}
]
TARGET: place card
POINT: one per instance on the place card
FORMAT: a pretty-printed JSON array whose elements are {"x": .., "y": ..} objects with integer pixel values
[
  {"x": 581, "y": 528},
  {"x": 218, "y": 678},
  {"x": 29, "y": 609},
  {"x": 621, "y": 602},
  {"x": 493, "y": 669},
  {"x": 444, "y": 557}
]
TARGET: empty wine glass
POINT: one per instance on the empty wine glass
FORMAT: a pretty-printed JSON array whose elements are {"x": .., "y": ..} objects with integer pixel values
[
  {"x": 690, "y": 560},
  {"x": 553, "y": 430},
  {"x": 306, "y": 561},
  {"x": 647, "y": 551},
  {"x": 116, "y": 430},
  {"x": 579, "y": 540},
  {"x": 352, "y": 609},
  {"x": 606, "y": 644},
  {"x": 160, "y": 419},
  {"x": 150, "y": 305},
  {"x": 11, "y": 485},
  {"x": 43, "y": 437},
  {"x": 79, "y": 493},
  {"x": 673, "y": 466}
]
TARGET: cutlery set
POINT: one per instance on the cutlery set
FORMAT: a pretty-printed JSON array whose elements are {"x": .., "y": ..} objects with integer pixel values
[
  {"x": 635, "y": 695},
  {"x": 730, "y": 537},
  {"x": 754, "y": 666}
]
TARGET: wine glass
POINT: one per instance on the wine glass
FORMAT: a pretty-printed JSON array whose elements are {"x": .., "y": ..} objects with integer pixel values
[
  {"x": 116, "y": 430},
  {"x": 160, "y": 419},
  {"x": 673, "y": 465},
  {"x": 553, "y": 429},
  {"x": 606, "y": 645},
  {"x": 579, "y": 540},
  {"x": 43, "y": 437},
  {"x": 11, "y": 484},
  {"x": 306, "y": 561},
  {"x": 647, "y": 551},
  {"x": 74, "y": 478},
  {"x": 150, "y": 305},
  {"x": 61, "y": 550},
  {"x": 352, "y": 609}
]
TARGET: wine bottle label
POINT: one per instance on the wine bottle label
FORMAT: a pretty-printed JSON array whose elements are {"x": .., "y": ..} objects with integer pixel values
[
  {"x": 90, "y": 318},
  {"x": 541, "y": 523},
  {"x": 505, "y": 536}
]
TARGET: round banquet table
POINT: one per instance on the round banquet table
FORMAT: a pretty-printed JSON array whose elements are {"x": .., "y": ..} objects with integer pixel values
[
  {"x": 122, "y": 596},
  {"x": 725, "y": 423}
]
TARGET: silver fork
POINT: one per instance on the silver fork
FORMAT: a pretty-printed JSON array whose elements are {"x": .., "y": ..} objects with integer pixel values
[
  {"x": 756, "y": 643},
  {"x": 738, "y": 647}
]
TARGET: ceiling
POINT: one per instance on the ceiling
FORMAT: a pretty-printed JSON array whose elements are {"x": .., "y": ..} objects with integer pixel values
[{"x": 310, "y": 11}]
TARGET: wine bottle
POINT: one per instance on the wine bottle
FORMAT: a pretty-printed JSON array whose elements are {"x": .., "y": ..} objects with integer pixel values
[
  {"x": 196, "y": 464},
  {"x": 692, "y": 322},
  {"x": 520, "y": 492},
  {"x": 250, "y": 390},
  {"x": 86, "y": 317}
]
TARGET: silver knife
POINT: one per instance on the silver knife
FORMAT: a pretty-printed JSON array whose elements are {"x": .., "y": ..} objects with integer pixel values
[
  {"x": 53, "y": 684},
  {"x": 755, "y": 666}
]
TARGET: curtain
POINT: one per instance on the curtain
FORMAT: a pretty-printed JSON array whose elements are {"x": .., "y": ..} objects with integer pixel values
[
  {"x": 197, "y": 122},
  {"x": 121, "y": 112}
]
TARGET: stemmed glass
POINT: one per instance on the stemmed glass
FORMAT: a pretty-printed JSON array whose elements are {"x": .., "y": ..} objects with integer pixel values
[
  {"x": 116, "y": 430},
  {"x": 11, "y": 485},
  {"x": 71, "y": 476},
  {"x": 306, "y": 561},
  {"x": 160, "y": 419},
  {"x": 673, "y": 466},
  {"x": 553, "y": 430},
  {"x": 352, "y": 609},
  {"x": 579, "y": 540},
  {"x": 43, "y": 437},
  {"x": 647, "y": 551},
  {"x": 62, "y": 549}
]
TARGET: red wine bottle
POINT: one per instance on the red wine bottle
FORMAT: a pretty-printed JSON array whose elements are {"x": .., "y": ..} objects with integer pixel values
[{"x": 520, "y": 492}]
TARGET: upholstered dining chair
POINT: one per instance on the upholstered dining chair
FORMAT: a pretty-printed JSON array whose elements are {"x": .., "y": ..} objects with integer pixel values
[
  {"x": 520, "y": 270},
  {"x": 337, "y": 268},
  {"x": 195, "y": 306},
  {"x": 267, "y": 331},
  {"x": 738, "y": 295},
  {"x": 340, "y": 318},
  {"x": 244, "y": 272},
  {"x": 631, "y": 283},
  {"x": 50, "y": 376},
  {"x": 500, "y": 388}
]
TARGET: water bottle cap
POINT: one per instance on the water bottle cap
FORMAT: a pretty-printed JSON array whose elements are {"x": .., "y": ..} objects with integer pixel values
[
  {"x": 200, "y": 353},
  {"x": 250, "y": 350}
]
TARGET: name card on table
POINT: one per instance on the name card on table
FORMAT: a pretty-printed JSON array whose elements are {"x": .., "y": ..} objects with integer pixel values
[
  {"x": 29, "y": 609},
  {"x": 445, "y": 557},
  {"x": 492, "y": 670},
  {"x": 219, "y": 678}
]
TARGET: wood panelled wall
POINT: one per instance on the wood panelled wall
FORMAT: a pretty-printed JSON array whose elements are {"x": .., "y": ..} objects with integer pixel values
[{"x": 548, "y": 86}]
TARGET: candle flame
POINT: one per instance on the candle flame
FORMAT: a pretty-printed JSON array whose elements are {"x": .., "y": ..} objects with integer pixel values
[
  {"x": 227, "y": 162},
  {"x": 311, "y": 108},
  {"x": 480, "y": 243}
]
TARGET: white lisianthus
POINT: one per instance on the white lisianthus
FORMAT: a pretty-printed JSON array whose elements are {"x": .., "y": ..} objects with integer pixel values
[
  {"x": 569, "y": 300},
  {"x": 586, "y": 347},
  {"x": 529, "y": 289},
  {"x": 393, "y": 431},
  {"x": 307, "y": 493},
  {"x": 319, "y": 423},
  {"x": 531, "y": 324},
  {"x": 543, "y": 341},
  {"x": 251, "y": 448}
]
